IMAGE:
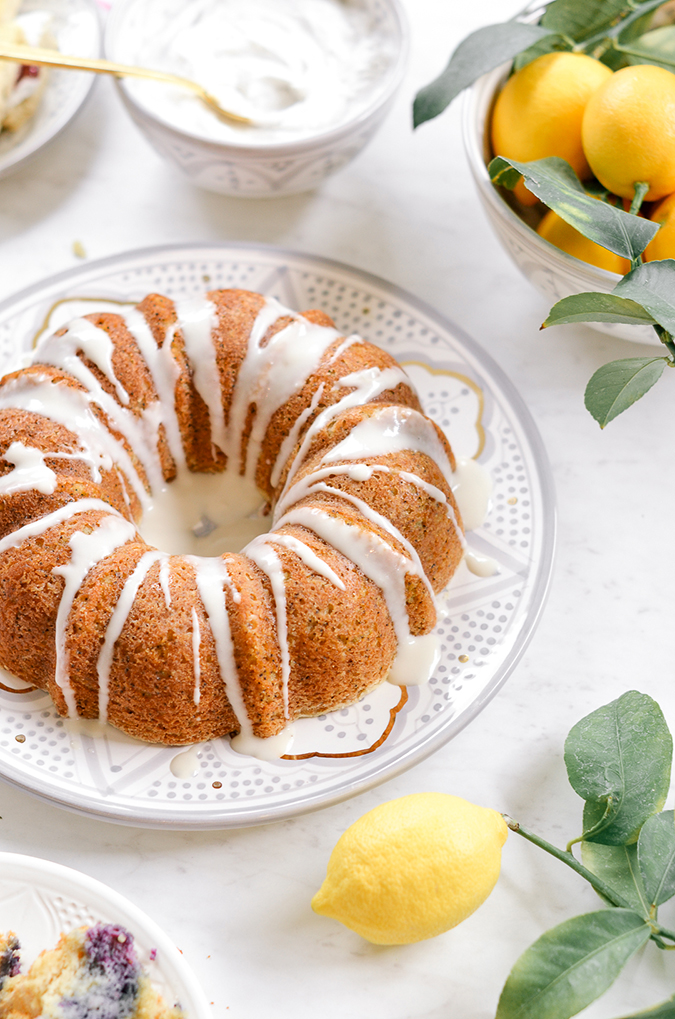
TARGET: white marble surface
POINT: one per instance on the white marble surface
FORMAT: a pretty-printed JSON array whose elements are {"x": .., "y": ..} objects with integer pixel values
[{"x": 237, "y": 903}]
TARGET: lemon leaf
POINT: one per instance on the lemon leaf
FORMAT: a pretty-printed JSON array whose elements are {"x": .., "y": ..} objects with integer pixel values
[
  {"x": 582, "y": 18},
  {"x": 555, "y": 183},
  {"x": 618, "y": 760},
  {"x": 652, "y": 285},
  {"x": 666, "y": 1010},
  {"x": 616, "y": 386},
  {"x": 618, "y": 867},
  {"x": 597, "y": 307},
  {"x": 479, "y": 53},
  {"x": 655, "y": 47},
  {"x": 656, "y": 857},
  {"x": 572, "y": 965}
]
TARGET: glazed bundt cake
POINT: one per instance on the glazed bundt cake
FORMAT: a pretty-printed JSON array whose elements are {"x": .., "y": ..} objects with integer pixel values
[
  {"x": 124, "y": 446},
  {"x": 92, "y": 973}
]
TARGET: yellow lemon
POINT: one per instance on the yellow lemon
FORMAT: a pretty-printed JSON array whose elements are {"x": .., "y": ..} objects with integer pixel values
[
  {"x": 539, "y": 111},
  {"x": 663, "y": 244},
  {"x": 628, "y": 131},
  {"x": 413, "y": 868},
  {"x": 556, "y": 231}
]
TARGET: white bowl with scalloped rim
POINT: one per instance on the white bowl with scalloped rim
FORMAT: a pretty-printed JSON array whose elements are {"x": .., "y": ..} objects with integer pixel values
[{"x": 260, "y": 170}]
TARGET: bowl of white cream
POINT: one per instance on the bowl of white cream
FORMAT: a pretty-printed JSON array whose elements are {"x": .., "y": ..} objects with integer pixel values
[{"x": 315, "y": 77}]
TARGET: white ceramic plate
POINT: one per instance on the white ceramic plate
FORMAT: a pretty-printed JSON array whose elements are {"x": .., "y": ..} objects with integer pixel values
[
  {"x": 40, "y": 900},
  {"x": 489, "y": 621},
  {"x": 76, "y": 28}
]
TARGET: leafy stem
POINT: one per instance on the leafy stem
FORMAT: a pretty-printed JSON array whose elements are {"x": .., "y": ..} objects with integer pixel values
[
  {"x": 666, "y": 340},
  {"x": 570, "y": 861},
  {"x": 565, "y": 856},
  {"x": 641, "y": 189}
]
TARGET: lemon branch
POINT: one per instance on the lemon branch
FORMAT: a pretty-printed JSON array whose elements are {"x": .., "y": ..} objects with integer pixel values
[{"x": 604, "y": 890}]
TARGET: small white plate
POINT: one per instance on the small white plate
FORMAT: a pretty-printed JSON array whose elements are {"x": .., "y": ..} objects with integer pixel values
[
  {"x": 77, "y": 30},
  {"x": 40, "y": 900},
  {"x": 486, "y": 624}
]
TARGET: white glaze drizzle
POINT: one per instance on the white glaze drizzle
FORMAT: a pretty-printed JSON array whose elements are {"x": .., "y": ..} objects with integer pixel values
[
  {"x": 381, "y": 521},
  {"x": 212, "y": 578},
  {"x": 269, "y": 375},
  {"x": 30, "y": 471},
  {"x": 72, "y": 408},
  {"x": 197, "y": 319},
  {"x": 364, "y": 387},
  {"x": 165, "y": 373},
  {"x": 96, "y": 345},
  {"x": 196, "y": 644},
  {"x": 471, "y": 488},
  {"x": 140, "y": 431},
  {"x": 268, "y": 561},
  {"x": 118, "y": 618},
  {"x": 381, "y": 563},
  {"x": 290, "y": 440},
  {"x": 392, "y": 429},
  {"x": 86, "y": 551},
  {"x": 305, "y": 553},
  {"x": 165, "y": 581},
  {"x": 54, "y": 519},
  {"x": 340, "y": 349}
]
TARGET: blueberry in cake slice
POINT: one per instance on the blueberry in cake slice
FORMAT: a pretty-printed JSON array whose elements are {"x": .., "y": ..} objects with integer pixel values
[{"x": 93, "y": 973}]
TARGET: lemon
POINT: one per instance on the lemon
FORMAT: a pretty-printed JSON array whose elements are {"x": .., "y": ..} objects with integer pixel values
[
  {"x": 413, "y": 868},
  {"x": 556, "y": 231},
  {"x": 628, "y": 131},
  {"x": 539, "y": 111},
  {"x": 663, "y": 244}
]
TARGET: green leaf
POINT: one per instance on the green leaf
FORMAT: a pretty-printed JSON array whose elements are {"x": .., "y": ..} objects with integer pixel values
[
  {"x": 657, "y": 47},
  {"x": 666, "y": 1010},
  {"x": 618, "y": 759},
  {"x": 549, "y": 44},
  {"x": 616, "y": 386},
  {"x": 597, "y": 307},
  {"x": 653, "y": 286},
  {"x": 656, "y": 857},
  {"x": 571, "y": 965},
  {"x": 479, "y": 53},
  {"x": 582, "y": 18},
  {"x": 555, "y": 183},
  {"x": 618, "y": 867}
]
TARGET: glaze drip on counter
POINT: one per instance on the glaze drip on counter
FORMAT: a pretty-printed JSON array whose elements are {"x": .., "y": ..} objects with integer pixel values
[{"x": 139, "y": 452}]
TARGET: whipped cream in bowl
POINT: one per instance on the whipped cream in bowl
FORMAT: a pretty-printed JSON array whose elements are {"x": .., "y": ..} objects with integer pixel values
[{"x": 315, "y": 77}]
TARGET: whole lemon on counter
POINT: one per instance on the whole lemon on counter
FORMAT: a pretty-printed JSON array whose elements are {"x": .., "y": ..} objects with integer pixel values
[
  {"x": 413, "y": 868},
  {"x": 557, "y": 231},
  {"x": 628, "y": 131},
  {"x": 539, "y": 111},
  {"x": 663, "y": 244}
]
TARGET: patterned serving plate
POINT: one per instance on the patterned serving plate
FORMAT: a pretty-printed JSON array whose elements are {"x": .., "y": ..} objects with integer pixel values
[
  {"x": 77, "y": 30},
  {"x": 486, "y": 622},
  {"x": 40, "y": 900}
]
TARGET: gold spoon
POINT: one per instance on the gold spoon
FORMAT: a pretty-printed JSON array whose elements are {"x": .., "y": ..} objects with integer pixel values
[{"x": 34, "y": 55}]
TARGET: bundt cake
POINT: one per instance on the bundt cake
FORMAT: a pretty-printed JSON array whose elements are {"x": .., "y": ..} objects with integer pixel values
[
  {"x": 92, "y": 972},
  {"x": 124, "y": 446}
]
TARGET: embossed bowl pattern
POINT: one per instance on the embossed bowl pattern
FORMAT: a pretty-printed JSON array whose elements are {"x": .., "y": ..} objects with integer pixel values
[{"x": 262, "y": 171}]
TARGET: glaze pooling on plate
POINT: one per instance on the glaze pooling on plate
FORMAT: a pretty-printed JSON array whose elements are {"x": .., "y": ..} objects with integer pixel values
[{"x": 487, "y": 620}]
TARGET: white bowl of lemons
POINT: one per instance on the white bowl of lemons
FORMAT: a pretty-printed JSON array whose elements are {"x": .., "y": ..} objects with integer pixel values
[{"x": 557, "y": 260}]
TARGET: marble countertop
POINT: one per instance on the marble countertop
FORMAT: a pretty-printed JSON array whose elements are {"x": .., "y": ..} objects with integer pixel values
[{"x": 237, "y": 902}]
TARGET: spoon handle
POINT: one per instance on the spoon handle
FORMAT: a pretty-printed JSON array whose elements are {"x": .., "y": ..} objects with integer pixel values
[{"x": 35, "y": 55}]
